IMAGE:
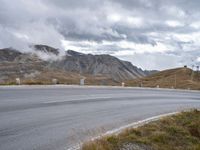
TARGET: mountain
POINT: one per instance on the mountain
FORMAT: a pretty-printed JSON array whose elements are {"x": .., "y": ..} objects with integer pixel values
[
  {"x": 180, "y": 78},
  {"x": 98, "y": 65},
  {"x": 45, "y": 49},
  {"x": 31, "y": 67}
]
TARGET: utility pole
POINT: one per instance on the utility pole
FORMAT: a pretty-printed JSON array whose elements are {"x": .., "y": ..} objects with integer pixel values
[
  {"x": 197, "y": 72},
  {"x": 192, "y": 67},
  {"x": 175, "y": 81},
  {"x": 192, "y": 74}
]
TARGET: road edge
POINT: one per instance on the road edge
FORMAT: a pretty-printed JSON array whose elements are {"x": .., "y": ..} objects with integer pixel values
[
  {"x": 91, "y": 86},
  {"x": 131, "y": 125}
]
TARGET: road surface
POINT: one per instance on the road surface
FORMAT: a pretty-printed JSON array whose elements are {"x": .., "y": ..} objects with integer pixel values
[{"x": 57, "y": 117}]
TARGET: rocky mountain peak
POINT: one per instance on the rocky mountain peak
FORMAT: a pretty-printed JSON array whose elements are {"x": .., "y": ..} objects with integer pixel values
[{"x": 46, "y": 49}]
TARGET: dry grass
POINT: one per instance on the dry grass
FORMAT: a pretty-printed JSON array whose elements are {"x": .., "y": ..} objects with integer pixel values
[
  {"x": 177, "y": 132},
  {"x": 63, "y": 77},
  {"x": 180, "y": 78}
]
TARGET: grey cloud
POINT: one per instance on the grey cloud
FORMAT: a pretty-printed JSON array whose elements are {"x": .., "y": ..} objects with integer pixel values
[{"x": 49, "y": 22}]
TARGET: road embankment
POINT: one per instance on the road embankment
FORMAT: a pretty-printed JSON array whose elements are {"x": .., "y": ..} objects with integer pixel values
[{"x": 180, "y": 131}]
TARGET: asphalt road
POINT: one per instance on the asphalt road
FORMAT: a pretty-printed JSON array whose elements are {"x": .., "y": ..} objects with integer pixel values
[{"x": 57, "y": 117}]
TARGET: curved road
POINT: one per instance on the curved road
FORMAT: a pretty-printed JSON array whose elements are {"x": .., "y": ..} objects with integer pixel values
[{"x": 57, "y": 117}]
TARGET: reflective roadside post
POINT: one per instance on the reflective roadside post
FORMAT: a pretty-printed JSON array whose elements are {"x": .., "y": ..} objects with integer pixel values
[
  {"x": 82, "y": 81},
  {"x": 123, "y": 84},
  {"x": 18, "y": 81},
  {"x": 54, "y": 81}
]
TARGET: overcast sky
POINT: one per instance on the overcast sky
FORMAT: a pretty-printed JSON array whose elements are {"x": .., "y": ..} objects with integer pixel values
[{"x": 152, "y": 34}]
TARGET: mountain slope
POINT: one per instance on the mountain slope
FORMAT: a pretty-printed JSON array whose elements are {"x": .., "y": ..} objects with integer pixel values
[
  {"x": 181, "y": 78},
  {"x": 98, "y": 65},
  {"x": 32, "y": 66}
]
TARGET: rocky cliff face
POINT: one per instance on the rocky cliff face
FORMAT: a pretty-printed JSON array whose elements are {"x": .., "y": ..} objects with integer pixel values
[
  {"x": 98, "y": 65},
  {"x": 17, "y": 64}
]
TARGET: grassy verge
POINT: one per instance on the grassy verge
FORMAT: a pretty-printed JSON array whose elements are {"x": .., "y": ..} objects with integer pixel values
[
  {"x": 179, "y": 78},
  {"x": 177, "y": 132}
]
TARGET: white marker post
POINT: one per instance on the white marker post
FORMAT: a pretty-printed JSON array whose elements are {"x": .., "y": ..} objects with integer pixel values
[
  {"x": 18, "y": 81},
  {"x": 54, "y": 81},
  {"x": 82, "y": 81}
]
